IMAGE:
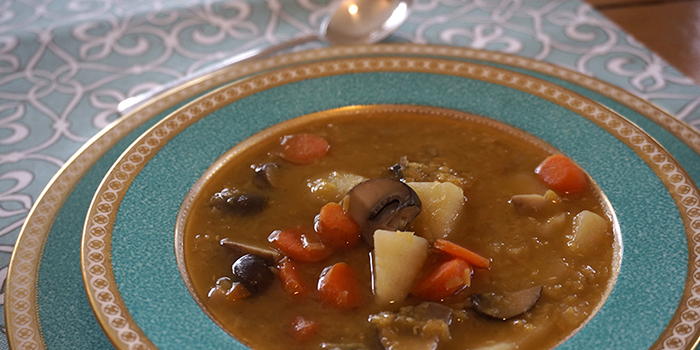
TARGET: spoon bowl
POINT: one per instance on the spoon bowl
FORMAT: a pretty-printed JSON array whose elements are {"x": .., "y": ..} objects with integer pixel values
[
  {"x": 351, "y": 22},
  {"x": 364, "y": 21}
]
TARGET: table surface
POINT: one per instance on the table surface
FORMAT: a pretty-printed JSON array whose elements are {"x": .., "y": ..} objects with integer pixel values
[
  {"x": 671, "y": 28},
  {"x": 64, "y": 65}
]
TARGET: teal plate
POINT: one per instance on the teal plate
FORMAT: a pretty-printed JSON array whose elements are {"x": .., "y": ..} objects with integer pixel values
[
  {"x": 127, "y": 254},
  {"x": 46, "y": 305},
  {"x": 45, "y": 301}
]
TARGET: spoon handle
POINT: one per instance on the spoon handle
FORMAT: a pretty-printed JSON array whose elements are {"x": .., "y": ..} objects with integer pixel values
[{"x": 132, "y": 103}]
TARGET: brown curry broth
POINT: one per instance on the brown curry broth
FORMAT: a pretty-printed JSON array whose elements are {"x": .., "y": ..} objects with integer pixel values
[{"x": 496, "y": 165}]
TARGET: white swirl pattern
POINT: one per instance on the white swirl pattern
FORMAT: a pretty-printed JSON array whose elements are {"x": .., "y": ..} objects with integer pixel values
[{"x": 64, "y": 65}]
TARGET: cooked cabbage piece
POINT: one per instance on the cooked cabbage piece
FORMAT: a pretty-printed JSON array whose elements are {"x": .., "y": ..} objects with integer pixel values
[
  {"x": 333, "y": 186},
  {"x": 418, "y": 327},
  {"x": 433, "y": 171}
]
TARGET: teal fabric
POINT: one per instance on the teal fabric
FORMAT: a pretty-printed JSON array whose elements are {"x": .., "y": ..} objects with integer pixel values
[{"x": 146, "y": 219}]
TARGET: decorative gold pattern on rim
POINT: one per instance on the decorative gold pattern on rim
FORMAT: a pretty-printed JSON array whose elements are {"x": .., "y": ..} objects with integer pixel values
[
  {"x": 117, "y": 181},
  {"x": 21, "y": 314}
]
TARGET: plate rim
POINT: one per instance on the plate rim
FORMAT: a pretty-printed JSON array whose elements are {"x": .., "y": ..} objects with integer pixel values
[
  {"x": 71, "y": 172},
  {"x": 621, "y": 125},
  {"x": 23, "y": 325}
]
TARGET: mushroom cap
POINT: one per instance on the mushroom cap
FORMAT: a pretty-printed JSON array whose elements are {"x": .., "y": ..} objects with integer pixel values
[{"x": 381, "y": 203}]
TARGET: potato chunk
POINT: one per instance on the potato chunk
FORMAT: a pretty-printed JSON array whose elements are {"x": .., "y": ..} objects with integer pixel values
[
  {"x": 589, "y": 230},
  {"x": 442, "y": 205},
  {"x": 333, "y": 186},
  {"x": 398, "y": 257}
]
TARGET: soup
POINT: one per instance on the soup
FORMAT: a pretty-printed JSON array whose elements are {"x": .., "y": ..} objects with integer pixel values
[{"x": 465, "y": 238}]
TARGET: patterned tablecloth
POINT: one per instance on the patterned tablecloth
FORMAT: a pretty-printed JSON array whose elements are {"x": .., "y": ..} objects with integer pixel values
[{"x": 65, "y": 64}]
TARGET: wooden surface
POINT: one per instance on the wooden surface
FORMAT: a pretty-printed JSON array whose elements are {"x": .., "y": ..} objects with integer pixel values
[{"x": 671, "y": 28}]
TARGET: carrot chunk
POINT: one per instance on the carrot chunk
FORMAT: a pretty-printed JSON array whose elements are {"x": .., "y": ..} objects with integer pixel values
[
  {"x": 297, "y": 244},
  {"x": 303, "y": 148},
  {"x": 336, "y": 228},
  {"x": 339, "y": 286},
  {"x": 562, "y": 175},
  {"x": 302, "y": 328},
  {"x": 461, "y": 252},
  {"x": 443, "y": 281},
  {"x": 293, "y": 283}
]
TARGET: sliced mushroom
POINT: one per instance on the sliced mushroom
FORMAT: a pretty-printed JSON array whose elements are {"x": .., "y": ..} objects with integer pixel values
[
  {"x": 233, "y": 202},
  {"x": 381, "y": 203},
  {"x": 528, "y": 204},
  {"x": 266, "y": 175},
  {"x": 505, "y": 305},
  {"x": 242, "y": 248}
]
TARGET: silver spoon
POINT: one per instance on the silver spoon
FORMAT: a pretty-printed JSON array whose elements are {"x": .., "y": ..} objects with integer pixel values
[{"x": 351, "y": 22}]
